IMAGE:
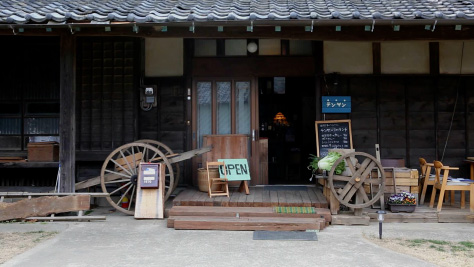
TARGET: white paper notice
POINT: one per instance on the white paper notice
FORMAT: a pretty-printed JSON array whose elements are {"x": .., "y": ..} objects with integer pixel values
[{"x": 149, "y": 171}]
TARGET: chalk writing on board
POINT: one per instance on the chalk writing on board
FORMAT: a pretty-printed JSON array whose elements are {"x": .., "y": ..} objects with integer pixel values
[{"x": 333, "y": 135}]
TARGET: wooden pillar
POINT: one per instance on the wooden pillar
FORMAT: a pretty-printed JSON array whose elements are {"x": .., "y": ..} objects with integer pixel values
[
  {"x": 67, "y": 120},
  {"x": 434, "y": 72},
  {"x": 188, "y": 67},
  {"x": 376, "y": 58},
  {"x": 318, "y": 54}
]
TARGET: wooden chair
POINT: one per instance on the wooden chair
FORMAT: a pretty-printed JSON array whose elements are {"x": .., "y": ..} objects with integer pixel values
[
  {"x": 428, "y": 178},
  {"x": 221, "y": 182},
  {"x": 442, "y": 183}
]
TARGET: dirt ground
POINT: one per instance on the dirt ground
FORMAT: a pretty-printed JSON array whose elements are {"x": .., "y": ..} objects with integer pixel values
[
  {"x": 12, "y": 244},
  {"x": 441, "y": 253}
]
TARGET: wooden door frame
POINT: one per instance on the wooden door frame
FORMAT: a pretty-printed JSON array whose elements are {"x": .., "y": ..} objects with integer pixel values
[{"x": 254, "y": 117}]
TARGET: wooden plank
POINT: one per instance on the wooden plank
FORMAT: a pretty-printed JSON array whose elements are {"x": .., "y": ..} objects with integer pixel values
[
  {"x": 17, "y": 164},
  {"x": 376, "y": 58},
  {"x": 263, "y": 159},
  {"x": 305, "y": 198},
  {"x": 68, "y": 218},
  {"x": 247, "y": 223},
  {"x": 226, "y": 200},
  {"x": 403, "y": 182},
  {"x": 67, "y": 114},
  {"x": 266, "y": 200},
  {"x": 342, "y": 219},
  {"x": 455, "y": 217},
  {"x": 425, "y": 217},
  {"x": 43, "y": 206},
  {"x": 293, "y": 198},
  {"x": 244, "y": 212},
  {"x": 27, "y": 194},
  {"x": 182, "y": 199},
  {"x": 241, "y": 202},
  {"x": 273, "y": 198},
  {"x": 189, "y": 154},
  {"x": 282, "y": 198},
  {"x": 208, "y": 201},
  {"x": 313, "y": 197},
  {"x": 258, "y": 198},
  {"x": 149, "y": 203},
  {"x": 434, "y": 58},
  {"x": 249, "y": 201},
  {"x": 234, "y": 199},
  {"x": 200, "y": 198}
]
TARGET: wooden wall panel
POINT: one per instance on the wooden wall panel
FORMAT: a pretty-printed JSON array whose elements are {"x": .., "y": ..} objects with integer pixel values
[
  {"x": 412, "y": 115},
  {"x": 107, "y": 71},
  {"x": 364, "y": 113},
  {"x": 166, "y": 123}
]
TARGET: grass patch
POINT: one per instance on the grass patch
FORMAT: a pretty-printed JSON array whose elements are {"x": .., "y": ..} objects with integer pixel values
[
  {"x": 87, "y": 212},
  {"x": 467, "y": 244},
  {"x": 438, "y": 242}
]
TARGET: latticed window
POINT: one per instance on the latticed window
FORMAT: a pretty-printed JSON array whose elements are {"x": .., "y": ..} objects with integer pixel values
[{"x": 223, "y": 107}]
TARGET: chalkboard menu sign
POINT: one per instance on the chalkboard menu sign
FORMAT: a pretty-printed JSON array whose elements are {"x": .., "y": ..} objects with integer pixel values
[{"x": 333, "y": 134}]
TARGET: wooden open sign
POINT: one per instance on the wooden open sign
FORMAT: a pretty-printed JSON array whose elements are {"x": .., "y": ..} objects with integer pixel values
[{"x": 149, "y": 175}]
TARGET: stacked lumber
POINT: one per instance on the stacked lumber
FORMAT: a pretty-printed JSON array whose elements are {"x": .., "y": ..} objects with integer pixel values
[
  {"x": 406, "y": 180},
  {"x": 245, "y": 219}
]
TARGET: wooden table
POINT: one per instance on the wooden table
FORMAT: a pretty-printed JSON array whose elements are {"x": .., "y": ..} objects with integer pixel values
[{"x": 471, "y": 162}]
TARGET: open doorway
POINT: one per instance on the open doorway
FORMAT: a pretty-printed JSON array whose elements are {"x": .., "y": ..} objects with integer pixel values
[{"x": 287, "y": 112}]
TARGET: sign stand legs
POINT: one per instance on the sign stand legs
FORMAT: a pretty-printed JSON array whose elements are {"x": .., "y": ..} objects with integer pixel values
[{"x": 244, "y": 186}]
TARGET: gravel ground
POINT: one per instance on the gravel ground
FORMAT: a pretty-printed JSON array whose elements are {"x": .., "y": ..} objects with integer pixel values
[
  {"x": 441, "y": 253},
  {"x": 12, "y": 244}
]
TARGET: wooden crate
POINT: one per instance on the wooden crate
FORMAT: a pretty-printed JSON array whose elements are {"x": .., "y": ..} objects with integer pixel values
[{"x": 43, "y": 152}]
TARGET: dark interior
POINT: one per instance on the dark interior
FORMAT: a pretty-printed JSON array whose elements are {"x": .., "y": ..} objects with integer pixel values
[{"x": 289, "y": 145}]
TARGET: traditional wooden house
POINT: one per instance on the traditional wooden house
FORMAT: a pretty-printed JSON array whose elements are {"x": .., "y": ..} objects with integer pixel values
[{"x": 99, "y": 74}]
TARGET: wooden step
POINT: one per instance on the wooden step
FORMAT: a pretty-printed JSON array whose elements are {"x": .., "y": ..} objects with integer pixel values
[
  {"x": 246, "y": 223},
  {"x": 422, "y": 217},
  {"x": 245, "y": 212},
  {"x": 343, "y": 219}
]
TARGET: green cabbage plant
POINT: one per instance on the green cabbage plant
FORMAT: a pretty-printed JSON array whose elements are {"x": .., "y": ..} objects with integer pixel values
[{"x": 327, "y": 162}]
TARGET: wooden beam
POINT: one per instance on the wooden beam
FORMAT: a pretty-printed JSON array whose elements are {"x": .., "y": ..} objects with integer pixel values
[
  {"x": 43, "y": 206},
  {"x": 376, "y": 58},
  {"x": 188, "y": 75},
  {"x": 318, "y": 54},
  {"x": 67, "y": 120},
  {"x": 434, "y": 58},
  {"x": 14, "y": 164},
  {"x": 254, "y": 66},
  {"x": 349, "y": 32}
]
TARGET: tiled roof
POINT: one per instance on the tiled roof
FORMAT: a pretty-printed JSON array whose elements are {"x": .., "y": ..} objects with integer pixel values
[{"x": 156, "y": 11}]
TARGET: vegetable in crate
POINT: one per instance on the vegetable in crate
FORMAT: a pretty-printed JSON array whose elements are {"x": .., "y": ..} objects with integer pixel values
[
  {"x": 327, "y": 162},
  {"x": 313, "y": 165}
]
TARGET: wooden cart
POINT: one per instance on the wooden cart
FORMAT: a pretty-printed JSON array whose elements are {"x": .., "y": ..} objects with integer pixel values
[
  {"x": 349, "y": 189},
  {"x": 118, "y": 176}
]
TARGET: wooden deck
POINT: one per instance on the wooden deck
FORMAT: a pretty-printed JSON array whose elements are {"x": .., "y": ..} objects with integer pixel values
[
  {"x": 258, "y": 197},
  {"x": 425, "y": 214}
]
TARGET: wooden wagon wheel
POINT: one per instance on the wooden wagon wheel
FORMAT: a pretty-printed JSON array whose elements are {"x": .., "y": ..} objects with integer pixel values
[
  {"x": 354, "y": 185},
  {"x": 168, "y": 152},
  {"x": 119, "y": 174}
]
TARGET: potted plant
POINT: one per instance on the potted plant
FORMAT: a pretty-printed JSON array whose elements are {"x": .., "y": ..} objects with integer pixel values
[{"x": 403, "y": 201}]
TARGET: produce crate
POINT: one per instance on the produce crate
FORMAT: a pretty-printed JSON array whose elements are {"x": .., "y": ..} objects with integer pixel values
[{"x": 43, "y": 152}]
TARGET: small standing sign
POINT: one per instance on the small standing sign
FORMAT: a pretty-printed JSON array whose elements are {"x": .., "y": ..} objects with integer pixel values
[
  {"x": 237, "y": 170},
  {"x": 150, "y": 191}
]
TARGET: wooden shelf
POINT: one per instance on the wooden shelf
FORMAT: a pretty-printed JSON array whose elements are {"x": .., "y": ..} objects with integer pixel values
[{"x": 13, "y": 164}]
